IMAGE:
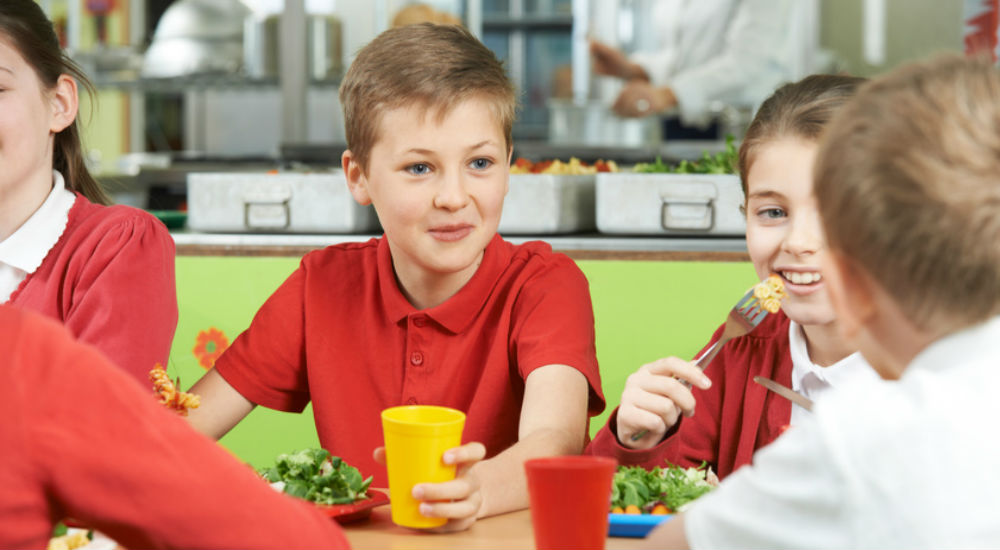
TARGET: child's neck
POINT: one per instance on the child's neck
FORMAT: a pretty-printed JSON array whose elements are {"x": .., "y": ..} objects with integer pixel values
[
  {"x": 426, "y": 290},
  {"x": 824, "y": 345}
]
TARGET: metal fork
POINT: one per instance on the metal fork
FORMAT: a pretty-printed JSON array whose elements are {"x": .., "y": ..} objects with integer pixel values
[{"x": 744, "y": 317}]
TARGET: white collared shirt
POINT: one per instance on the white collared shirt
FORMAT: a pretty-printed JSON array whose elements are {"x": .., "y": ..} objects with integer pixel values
[
  {"x": 811, "y": 379},
  {"x": 881, "y": 464},
  {"x": 23, "y": 251}
]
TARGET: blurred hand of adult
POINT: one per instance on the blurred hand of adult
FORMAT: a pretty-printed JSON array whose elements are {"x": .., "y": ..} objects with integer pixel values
[
  {"x": 609, "y": 61},
  {"x": 640, "y": 98}
]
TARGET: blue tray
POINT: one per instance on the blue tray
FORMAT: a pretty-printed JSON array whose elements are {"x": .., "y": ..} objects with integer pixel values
[{"x": 634, "y": 525}]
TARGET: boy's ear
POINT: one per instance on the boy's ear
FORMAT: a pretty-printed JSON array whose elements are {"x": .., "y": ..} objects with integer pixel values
[
  {"x": 357, "y": 182},
  {"x": 851, "y": 294},
  {"x": 65, "y": 104}
]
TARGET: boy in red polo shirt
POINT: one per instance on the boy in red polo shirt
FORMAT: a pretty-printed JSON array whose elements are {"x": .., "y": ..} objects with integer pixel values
[
  {"x": 440, "y": 310},
  {"x": 80, "y": 440}
]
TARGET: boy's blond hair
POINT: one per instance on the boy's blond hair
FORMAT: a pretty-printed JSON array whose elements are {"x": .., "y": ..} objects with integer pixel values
[
  {"x": 908, "y": 185},
  {"x": 433, "y": 66}
]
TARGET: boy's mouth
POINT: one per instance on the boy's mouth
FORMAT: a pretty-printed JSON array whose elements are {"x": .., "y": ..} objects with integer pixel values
[{"x": 450, "y": 233}]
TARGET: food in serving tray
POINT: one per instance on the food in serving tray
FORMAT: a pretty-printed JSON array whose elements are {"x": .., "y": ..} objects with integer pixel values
[
  {"x": 723, "y": 162},
  {"x": 315, "y": 475},
  {"x": 574, "y": 167},
  {"x": 662, "y": 490},
  {"x": 168, "y": 394},
  {"x": 770, "y": 292}
]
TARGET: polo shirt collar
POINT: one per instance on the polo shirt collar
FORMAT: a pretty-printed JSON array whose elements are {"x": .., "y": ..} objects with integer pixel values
[
  {"x": 27, "y": 247},
  {"x": 457, "y": 312}
]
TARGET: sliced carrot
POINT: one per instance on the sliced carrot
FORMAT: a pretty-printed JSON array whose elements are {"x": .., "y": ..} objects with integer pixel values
[
  {"x": 632, "y": 509},
  {"x": 617, "y": 510},
  {"x": 660, "y": 510}
]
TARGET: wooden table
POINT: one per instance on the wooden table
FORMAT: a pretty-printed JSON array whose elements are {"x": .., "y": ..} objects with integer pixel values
[{"x": 507, "y": 531}]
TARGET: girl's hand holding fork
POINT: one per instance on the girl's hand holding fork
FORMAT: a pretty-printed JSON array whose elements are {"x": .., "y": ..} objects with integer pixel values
[{"x": 654, "y": 398}]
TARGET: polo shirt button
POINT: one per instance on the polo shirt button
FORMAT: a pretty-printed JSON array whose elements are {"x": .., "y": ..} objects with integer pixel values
[
  {"x": 411, "y": 401},
  {"x": 419, "y": 322},
  {"x": 417, "y": 358}
]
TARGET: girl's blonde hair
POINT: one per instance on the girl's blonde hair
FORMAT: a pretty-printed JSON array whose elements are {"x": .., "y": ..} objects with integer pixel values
[{"x": 908, "y": 185}]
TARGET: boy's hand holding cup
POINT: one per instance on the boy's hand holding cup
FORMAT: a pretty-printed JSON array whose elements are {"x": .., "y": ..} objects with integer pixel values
[{"x": 416, "y": 439}]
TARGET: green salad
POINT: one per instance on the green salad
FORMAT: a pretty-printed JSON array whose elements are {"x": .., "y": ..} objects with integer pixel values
[
  {"x": 723, "y": 162},
  {"x": 314, "y": 475},
  {"x": 671, "y": 486}
]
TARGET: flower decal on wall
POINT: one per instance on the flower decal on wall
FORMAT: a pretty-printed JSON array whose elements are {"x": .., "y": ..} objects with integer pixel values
[{"x": 209, "y": 346}]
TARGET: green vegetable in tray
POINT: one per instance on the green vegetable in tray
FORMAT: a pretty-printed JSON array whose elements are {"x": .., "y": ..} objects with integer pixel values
[
  {"x": 671, "y": 486},
  {"x": 314, "y": 475},
  {"x": 723, "y": 162}
]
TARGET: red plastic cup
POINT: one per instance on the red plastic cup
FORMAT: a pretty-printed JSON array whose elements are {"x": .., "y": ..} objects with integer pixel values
[{"x": 570, "y": 497}]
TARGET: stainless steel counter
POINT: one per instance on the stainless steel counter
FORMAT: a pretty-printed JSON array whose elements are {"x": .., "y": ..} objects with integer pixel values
[{"x": 583, "y": 246}]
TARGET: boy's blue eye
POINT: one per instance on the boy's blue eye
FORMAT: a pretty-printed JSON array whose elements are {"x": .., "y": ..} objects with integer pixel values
[
  {"x": 418, "y": 169},
  {"x": 481, "y": 164}
]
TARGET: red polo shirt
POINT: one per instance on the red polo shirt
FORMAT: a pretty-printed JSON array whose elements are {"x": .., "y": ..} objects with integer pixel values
[{"x": 340, "y": 333}]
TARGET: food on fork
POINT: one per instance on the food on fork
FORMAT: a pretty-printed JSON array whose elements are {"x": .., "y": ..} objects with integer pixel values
[
  {"x": 168, "y": 394},
  {"x": 770, "y": 292}
]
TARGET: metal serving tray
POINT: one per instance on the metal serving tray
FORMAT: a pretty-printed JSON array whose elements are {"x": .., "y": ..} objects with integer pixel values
[
  {"x": 275, "y": 203},
  {"x": 669, "y": 204},
  {"x": 538, "y": 204}
]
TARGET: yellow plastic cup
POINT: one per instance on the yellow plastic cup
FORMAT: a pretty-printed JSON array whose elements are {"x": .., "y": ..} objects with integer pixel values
[{"x": 416, "y": 437}]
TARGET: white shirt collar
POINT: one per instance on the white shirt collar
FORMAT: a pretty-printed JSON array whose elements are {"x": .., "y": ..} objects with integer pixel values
[
  {"x": 27, "y": 247},
  {"x": 810, "y": 379}
]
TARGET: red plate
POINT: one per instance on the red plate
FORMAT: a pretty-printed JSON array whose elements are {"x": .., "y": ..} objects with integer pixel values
[{"x": 356, "y": 511}]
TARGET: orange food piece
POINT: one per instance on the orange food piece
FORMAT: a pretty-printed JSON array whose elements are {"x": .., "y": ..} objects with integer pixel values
[
  {"x": 632, "y": 509},
  {"x": 660, "y": 510},
  {"x": 617, "y": 510}
]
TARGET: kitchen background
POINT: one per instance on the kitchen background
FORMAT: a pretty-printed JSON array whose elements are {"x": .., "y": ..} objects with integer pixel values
[{"x": 178, "y": 79}]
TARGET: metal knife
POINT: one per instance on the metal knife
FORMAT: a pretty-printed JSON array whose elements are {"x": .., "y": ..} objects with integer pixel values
[{"x": 786, "y": 392}]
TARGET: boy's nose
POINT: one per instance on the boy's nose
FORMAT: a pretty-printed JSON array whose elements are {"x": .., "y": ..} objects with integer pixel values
[{"x": 452, "y": 193}]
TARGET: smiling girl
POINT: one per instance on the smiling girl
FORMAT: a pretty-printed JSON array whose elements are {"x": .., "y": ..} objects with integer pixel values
[
  {"x": 798, "y": 347},
  {"x": 106, "y": 272}
]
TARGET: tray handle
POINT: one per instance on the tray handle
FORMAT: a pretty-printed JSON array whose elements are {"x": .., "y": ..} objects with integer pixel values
[{"x": 267, "y": 209}]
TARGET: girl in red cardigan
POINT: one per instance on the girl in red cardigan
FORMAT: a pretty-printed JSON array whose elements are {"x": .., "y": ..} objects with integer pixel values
[
  {"x": 798, "y": 347},
  {"x": 106, "y": 272}
]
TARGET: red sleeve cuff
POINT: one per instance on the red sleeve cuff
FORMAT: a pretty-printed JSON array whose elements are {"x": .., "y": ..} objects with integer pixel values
[
  {"x": 606, "y": 443},
  {"x": 250, "y": 388}
]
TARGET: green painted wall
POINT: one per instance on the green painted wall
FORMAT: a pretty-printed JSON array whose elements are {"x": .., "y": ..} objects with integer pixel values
[{"x": 644, "y": 310}]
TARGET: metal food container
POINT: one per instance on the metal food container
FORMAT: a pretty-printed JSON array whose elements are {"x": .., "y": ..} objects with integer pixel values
[
  {"x": 670, "y": 204},
  {"x": 541, "y": 204},
  {"x": 275, "y": 203}
]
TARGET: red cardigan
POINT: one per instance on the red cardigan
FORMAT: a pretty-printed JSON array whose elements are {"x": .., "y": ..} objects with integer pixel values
[
  {"x": 80, "y": 441},
  {"x": 110, "y": 280},
  {"x": 734, "y": 417}
]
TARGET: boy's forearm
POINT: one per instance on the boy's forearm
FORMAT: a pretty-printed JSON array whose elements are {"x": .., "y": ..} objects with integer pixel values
[
  {"x": 221, "y": 407},
  {"x": 502, "y": 480}
]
